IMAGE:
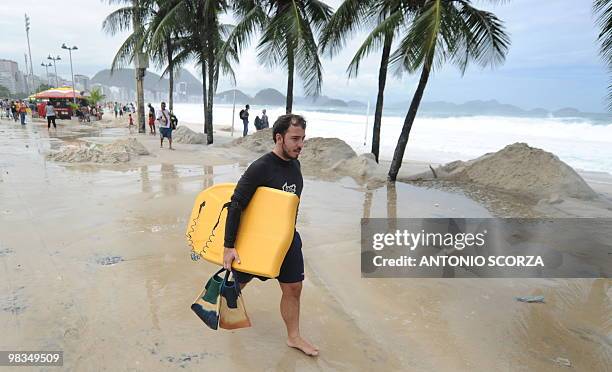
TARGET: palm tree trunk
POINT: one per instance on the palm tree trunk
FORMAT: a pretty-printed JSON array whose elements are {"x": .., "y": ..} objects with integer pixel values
[
  {"x": 170, "y": 74},
  {"x": 211, "y": 95},
  {"x": 382, "y": 80},
  {"x": 398, "y": 155},
  {"x": 290, "y": 71},
  {"x": 204, "y": 90},
  {"x": 140, "y": 72}
]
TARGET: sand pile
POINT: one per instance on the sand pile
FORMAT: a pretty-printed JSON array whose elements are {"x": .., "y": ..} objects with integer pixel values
[
  {"x": 320, "y": 153},
  {"x": 333, "y": 158},
  {"x": 260, "y": 141},
  {"x": 324, "y": 157},
  {"x": 120, "y": 151},
  {"x": 362, "y": 167},
  {"x": 518, "y": 169},
  {"x": 183, "y": 134}
]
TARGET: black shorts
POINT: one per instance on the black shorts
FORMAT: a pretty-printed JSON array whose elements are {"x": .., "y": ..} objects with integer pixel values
[{"x": 292, "y": 268}]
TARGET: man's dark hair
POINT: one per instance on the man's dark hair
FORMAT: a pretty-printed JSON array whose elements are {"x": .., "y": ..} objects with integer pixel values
[
  {"x": 281, "y": 125},
  {"x": 247, "y": 107}
]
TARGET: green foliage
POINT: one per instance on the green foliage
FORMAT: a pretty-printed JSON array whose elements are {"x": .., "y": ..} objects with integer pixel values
[
  {"x": 603, "y": 12},
  {"x": 288, "y": 35},
  {"x": 95, "y": 96}
]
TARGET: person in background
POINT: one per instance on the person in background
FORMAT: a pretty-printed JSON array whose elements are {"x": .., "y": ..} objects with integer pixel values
[
  {"x": 130, "y": 122},
  {"x": 264, "y": 120},
  {"x": 165, "y": 129},
  {"x": 244, "y": 115},
  {"x": 23, "y": 109},
  {"x": 50, "y": 114},
  {"x": 151, "y": 119}
]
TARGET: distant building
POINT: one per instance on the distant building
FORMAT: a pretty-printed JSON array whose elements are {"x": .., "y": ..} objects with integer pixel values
[
  {"x": 62, "y": 82},
  {"x": 10, "y": 76},
  {"x": 81, "y": 82}
]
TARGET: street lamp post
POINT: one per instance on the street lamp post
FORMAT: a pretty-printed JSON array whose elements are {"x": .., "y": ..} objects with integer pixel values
[
  {"x": 55, "y": 66},
  {"x": 47, "y": 69},
  {"x": 70, "y": 49}
]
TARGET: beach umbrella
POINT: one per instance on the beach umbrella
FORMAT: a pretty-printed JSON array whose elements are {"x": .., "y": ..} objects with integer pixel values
[{"x": 63, "y": 92}]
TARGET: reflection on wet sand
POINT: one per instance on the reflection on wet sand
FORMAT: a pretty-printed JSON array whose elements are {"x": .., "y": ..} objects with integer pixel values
[
  {"x": 208, "y": 177},
  {"x": 144, "y": 179},
  {"x": 170, "y": 181}
]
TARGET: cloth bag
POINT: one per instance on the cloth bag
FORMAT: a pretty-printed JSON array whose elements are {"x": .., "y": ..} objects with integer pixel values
[
  {"x": 232, "y": 312},
  {"x": 206, "y": 305}
]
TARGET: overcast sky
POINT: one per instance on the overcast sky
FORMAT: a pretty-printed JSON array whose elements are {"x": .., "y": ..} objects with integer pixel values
[{"x": 552, "y": 63}]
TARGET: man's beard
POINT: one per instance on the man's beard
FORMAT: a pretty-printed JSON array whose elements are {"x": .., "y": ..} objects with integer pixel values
[{"x": 286, "y": 153}]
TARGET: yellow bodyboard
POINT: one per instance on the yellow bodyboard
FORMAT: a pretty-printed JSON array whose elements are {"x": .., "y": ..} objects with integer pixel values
[{"x": 264, "y": 236}]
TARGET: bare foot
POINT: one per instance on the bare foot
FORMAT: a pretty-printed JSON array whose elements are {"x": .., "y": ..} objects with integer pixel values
[{"x": 303, "y": 345}]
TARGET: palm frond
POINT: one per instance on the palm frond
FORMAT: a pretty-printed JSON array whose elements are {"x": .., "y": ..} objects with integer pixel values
[
  {"x": 348, "y": 18},
  {"x": 374, "y": 41},
  {"x": 119, "y": 20},
  {"x": 603, "y": 12}
]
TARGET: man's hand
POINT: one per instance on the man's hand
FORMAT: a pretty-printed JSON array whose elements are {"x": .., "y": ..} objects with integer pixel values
[{"x": 229, "y": 255}]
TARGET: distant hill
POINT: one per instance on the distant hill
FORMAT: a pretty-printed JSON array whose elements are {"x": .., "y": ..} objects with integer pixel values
[
  {"x": 228, "y": 97},
  {"x": 125, "y": 78},
  {"x": 269, "y": 97},
  {"x": 493, "y": 107}
]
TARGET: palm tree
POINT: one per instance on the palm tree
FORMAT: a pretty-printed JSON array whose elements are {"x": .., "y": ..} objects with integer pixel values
[
  {"x": 131, "y": 17},
  {"x": 161, "y": 44},
  {"x": 603, "y": 10},
  {"x": 199, "y": 36},
  {"x": 288, "y": 31},
  {"x": 384, "y": 18},
  {"x": 160, "y": 50},
  {"x": 95, "y": 96},
  {"x": 441, "y": 31}
]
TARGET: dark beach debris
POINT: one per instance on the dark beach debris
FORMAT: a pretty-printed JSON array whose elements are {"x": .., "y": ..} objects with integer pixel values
[
  {"x": 13, "y": 302},
  {"x": 186, "y": 358},
  {"x": 6, "y": 252},
  {"x": 109, "y": 260},
  {"x": 531, "y": 299}
]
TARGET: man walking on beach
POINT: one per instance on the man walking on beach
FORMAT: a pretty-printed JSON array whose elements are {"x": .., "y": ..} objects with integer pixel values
[
  {"x": 165, "y": 130},
  {"x": 244, "y": 115},
  {"x": 278, "y": 169}
]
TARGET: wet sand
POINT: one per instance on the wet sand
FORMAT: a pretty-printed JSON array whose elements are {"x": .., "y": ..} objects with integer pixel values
[{"x": 93, "y": 261}]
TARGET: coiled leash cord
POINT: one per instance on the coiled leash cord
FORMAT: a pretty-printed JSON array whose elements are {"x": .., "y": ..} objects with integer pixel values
[{"x": 194, "y": 255}]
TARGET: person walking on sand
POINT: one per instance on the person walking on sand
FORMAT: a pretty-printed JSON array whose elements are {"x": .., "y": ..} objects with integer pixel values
[
  {"x": 14, "y": 110},
  {"x": 130, "y": 123},
  {"x": 264, "y": 120},
  {"x": 151, "y": 119},
  {"x": 165, "y": 129},
  {"x": 278, "y": 169},
  {"x": 50, "y": 114},
  {"x": 244, "y": 116},
  {"x": 116, "y": 109},
  {"x": 22, "y": 112}
]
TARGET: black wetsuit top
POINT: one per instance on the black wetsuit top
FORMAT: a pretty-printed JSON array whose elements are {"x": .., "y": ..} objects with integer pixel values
[{"x": 270, "y": 171}]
